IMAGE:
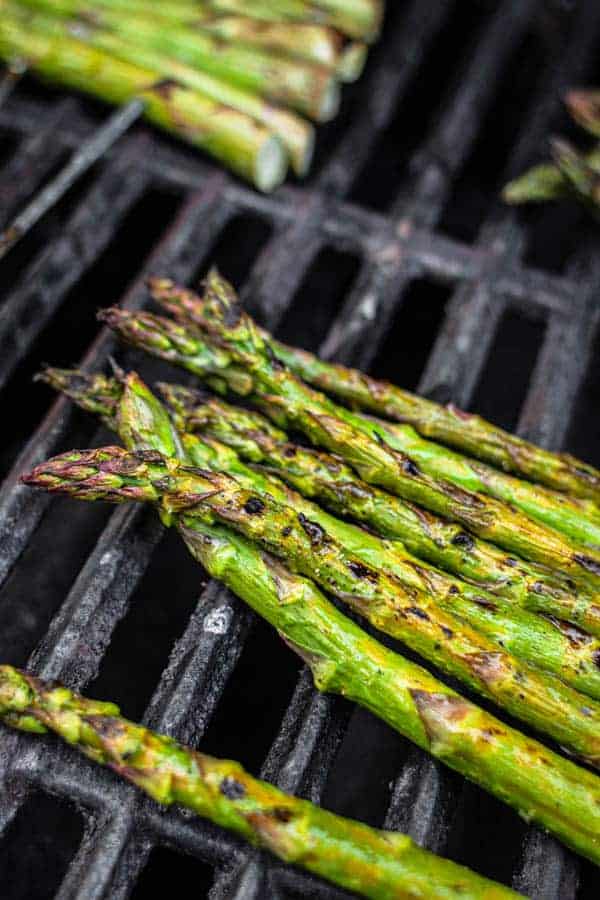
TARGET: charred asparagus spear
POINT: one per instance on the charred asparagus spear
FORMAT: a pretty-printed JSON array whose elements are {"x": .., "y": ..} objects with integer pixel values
[
  {"x": 374, "y": 863},
  {"x": 542, "y": 786},
  {"x": 330, "y": 481},
  {"x": 366, "y": 445},
  {"x": 569, "y": 654},
  {"x": 466, "y": 432},
  {"x": 244, "y": 145},
  {"x": 579, "y": 518},
  {"x": 407, "y": 614},
  {"x": 309, "y": 88}
]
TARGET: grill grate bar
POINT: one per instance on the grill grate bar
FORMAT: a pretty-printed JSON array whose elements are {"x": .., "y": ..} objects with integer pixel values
[{"x": 91, "y": 151}]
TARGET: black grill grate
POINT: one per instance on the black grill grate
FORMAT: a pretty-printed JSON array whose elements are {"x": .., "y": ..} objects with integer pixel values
[{"x": 382, "y": 217}]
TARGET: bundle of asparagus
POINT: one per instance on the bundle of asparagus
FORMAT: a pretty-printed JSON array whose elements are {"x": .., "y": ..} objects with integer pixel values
[
  {"x": 571, "y": 173},
  {"x": 374, "y": 863},
  {"x": 233, "y": 79},
  {"x": 542, "y": 785}
]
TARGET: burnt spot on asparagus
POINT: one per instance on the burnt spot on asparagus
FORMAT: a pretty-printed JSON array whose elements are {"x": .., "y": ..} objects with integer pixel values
[{"x": 316, "y": 534}]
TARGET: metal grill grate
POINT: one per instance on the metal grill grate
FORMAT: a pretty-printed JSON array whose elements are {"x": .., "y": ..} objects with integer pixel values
[{"x": 383, "y": 219}]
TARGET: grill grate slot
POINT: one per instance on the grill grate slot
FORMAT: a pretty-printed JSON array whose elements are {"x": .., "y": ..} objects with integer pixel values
[{"x": 420, "y": 257}]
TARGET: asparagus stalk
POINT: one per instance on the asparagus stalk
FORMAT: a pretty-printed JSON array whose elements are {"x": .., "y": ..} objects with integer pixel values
[
  {"x": 310, "y": 89},
  {"x": 377, "y": 864},
  {"x": 294, "y": 132},
  {"x": 571, "y": 171},
  {"x": 407, "y": 614},
  {"x": 465, "y": 431},
  {"x": 577, "y": 517},
  {"x": 578, "y": 173},
  {"x": 565, "y": 652},
  {"x": 315, "y": 43},
  {"x": 329, "y": 480},
  {"x": 232, "y": 137},
  {"x": 367, "y": 445},
  {"x": 542, "y": 786},
  {"x": 360, "y": 19}
]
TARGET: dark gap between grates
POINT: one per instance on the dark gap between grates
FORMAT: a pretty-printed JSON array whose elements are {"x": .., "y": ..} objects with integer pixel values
[
  {"x": 487, "y": 824},
  {"x": 410, "y": 337},
  {"x": 583, "y": 437},
  {"x": 503, "y": 383},
  {"x": 158, "y": 614},
  {"x": 555, "y": 232},
  {"x": 319, "y": 298},
  {"x": 167, "y": 870},
  {"x": 236, "y": 248},
  {"x": 45, "y": 572},
  {"x": 9, "y": 141},
  {"x": 377, "y": 184},
  {"x": 33, "y": 89},
  {"x": 38, "y": 847},
  {"x": 254, "y": 701},
  {"x": 479, "y": 182},
  {"x": 13, "y": 266},
  {"x": 589, "y": 881},
  {"x": 74, "y": 326},
  {"x": 369, "y": 759}
]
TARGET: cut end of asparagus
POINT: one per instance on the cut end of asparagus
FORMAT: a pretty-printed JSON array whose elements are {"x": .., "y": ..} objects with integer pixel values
[
  {"x": 330, "y": 102},
  {"x": 271, "y": 165},
  {"x": 352, "y": 62}
]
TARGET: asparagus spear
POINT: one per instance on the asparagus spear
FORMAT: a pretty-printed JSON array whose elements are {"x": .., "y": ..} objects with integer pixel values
[
  {"x": 294, "y": 132},
  {"x": 345, "y": 660},
  {"x": 407, "y": 614},
  {"x": 377, "y": 864},
  {"x": 329, "y": 480},
  {"x": 578, "y": 173},
  {"x": 464, "y": 431},
  {"x": 570, "y": 172},
  {"x": 232, "y": 137},
  {"x": 367, "y": 445},
  {"x": 310, "y": 89},
  {"x": 565, "y": 652},
  {"x": 315, "y": 43},
  {"x": 577, "y": 517},
  {"x": 359, "y": 19}
]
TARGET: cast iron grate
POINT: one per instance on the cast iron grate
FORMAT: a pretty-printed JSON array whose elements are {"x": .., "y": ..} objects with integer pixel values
[{"x": 402, "y": 210}]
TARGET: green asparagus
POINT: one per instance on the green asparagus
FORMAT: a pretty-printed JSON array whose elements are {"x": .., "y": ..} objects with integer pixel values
[
  {"x": 315, "y": 43},
  {"x": 309, "y": 88},
  {"x": 565, "y": 652},
  {"x": 572, "y": 173},
  {"x": 542, "y": 786},
  {"x": 294, "y": 132},
  {"x": 366, "y": 445},
  {"x": 378, "y": 864},
  {"x": 359, "y": 19},
  {"x": 579, "y": 518},
  {"x": 329, "y": 480},
  {"x": 407, "y": 614},
  {"x": 232, "y": 137},
  {"x": 447, "y": 424}
]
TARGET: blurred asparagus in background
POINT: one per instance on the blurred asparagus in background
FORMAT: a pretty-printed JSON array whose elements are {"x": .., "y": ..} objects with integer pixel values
[
  {"x": 572, "y": 173},
  {"x": 234, "y": 79}
]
